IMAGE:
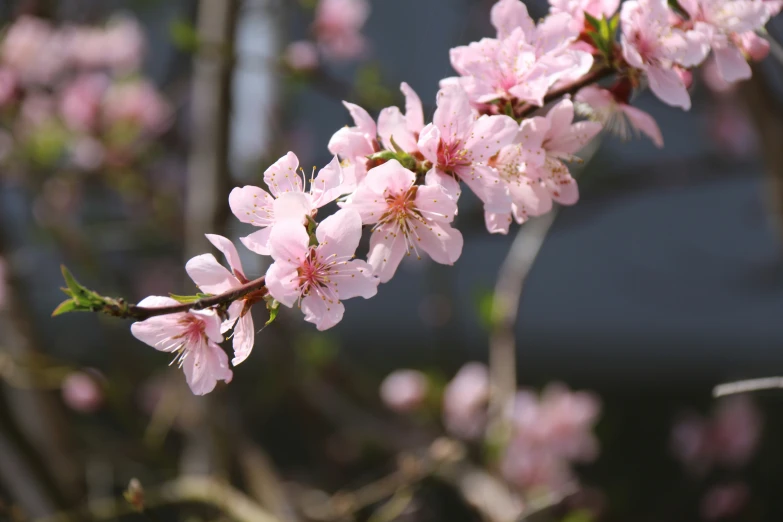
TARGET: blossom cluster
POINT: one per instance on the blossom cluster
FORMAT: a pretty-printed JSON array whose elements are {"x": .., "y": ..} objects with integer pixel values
[
  {"x": 73, "y": 95},
  {"x": 506, "y": 128},
  {"x": 550, "y": 431}
]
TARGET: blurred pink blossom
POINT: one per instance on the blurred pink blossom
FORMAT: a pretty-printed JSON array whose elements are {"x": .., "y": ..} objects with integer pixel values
[
  {"x": 724, "y": 501},
  {"x": 713, "y": 79},
  {"x": 728, "y": 438},
  {"x": 80, "y": 101},
  {"x": 404, "y": 390},
  {"x": 33, "y": 49},
  {"x": 87, "y": 153},
  {"x": 8, "y": 85},
  {"x": 81, "y": 392},
  {"x": 118, "y": 46},
  {"x": 337, "y": 25},
  {"x": 732, "y": 130},
  {"x": 37, "y": 109},
  {"x": 137, "y": 103},
  {"x": 465, "y": 400},
  {"x": 301, "y": 55},
  {"x": 615, "y": 115}
]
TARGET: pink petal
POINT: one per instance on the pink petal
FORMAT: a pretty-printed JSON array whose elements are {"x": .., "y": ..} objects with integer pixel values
[
  {"x": 329, "y": 184},
  {"x": 350, "y": 143},
  {"x": 532, "y": 133},
  {"x": 204, "y": 366},
  {"x": 454, "y": 115},
  {"x": 442, "y": 242},
  {"x": 393, "y": 125},
  {"x": 212, "y": 324},
  {"x": 355, "y": 279},
  {"x": 321, "y": 312},
  {"x": 731, "y": 63},
  {"x": 282, "y": 281},
  {"x": 387, "y": 248},
  {"x": 555, "y": 32},
  {"x": 560, "y": 184},
  {"x": 667, "y": 85},
  {"x": 209, "y": 275},
  {"x": 362, "y": 119},
  {"x": 486, "y": 184},
  {"x": 294, "y": 206},
  {"x": 529, "y": 198},
  {"x": 283, "y": 177},
  {"x": 251, "y": 205},
  {"x": 497, "y": 223},
  {"x": 258, "y": 242},
  {"x": 339, "y": 234},
  {"x": 645, "y": 123},
  {"x": 429, "y": 140},
  {"x": 159, "y": 332},
  {"x": 390, "y": 178},
  {"x": 369, "y": 204},
  {"x": 559, "y": 118},
  {"x": 289, "y": 243},
  {"x": 234, "y": 311},
  {"x": 244, "y": 338},
  {"x": 433, "y": 202},
  {"x": 490, "y": 134},
  {"x": 573, "y": 139},
  {"x": 414, "y": 113},
  {"x": 228, "y": 249},
  {"x": 507, "y": 15},
  {"x": 437, "y": 178},
  {"x": 157, "y": 301}
]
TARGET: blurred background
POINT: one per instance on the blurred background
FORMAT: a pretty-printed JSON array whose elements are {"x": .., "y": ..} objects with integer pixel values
[{"x": 124, "y": 124}]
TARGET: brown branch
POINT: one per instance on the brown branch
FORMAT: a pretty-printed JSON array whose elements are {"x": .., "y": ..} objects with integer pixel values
[
  {"x": 140, "y": 313},
  {"x": 571, "y": 88}
]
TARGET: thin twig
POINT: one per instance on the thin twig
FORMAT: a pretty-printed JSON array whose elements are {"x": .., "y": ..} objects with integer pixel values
[
  {"x": 140, "y": 313},
  {"x": 733, "y": 388}
]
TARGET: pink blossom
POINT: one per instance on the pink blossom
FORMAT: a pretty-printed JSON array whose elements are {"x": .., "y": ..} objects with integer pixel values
[
  {"x": 404, "y": 390},
  {"x": 319, "y": 277},
  {"x": 288, "y": 199},
  {"x": 404, "y": 129},
  {"x": 773, "y": 6},
  {"x": 752, "y": 45},
  {"x": 212, "y": 278},
  {"x": 460, "y": 144},
  {"x": 407, "y": 217},
  {"x": 337, "y": 25},
  {"x": 718, "y": 22},
  {"x": 80, "y": 101},
  {"x": 8, "y": 86},
  {"x": 602, "y": 106},
  {"x": 301, "y": 55},
  {"x": 545, "y": 143},
  {"x": 193, "y": 337},
  {"x": 123, "y": 44},
  {"x": 652, "y": 45},
  {"x": 354, "y": 144},
  {"x": 465, "y": 400},
  {"x": 577, "y": 9},
  {"x": 81, "y": 392},
  {"x": 33, "y": 50},
  {"x": 138, "y": 103}
]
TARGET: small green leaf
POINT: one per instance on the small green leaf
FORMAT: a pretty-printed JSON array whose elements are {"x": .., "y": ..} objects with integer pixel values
[
  {"x": 385, "y": 155},
  {"x": 185, "y": 298},
  {"x": 593, "y": 21},
  {"x": 74, "y": 287},
  {"x": 396, "y": 147},
  {"x": 274, "y": 309},
  {"x": 66, "y": 307}
]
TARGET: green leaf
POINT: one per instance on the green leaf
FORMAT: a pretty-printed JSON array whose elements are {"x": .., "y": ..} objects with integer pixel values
[
  {"x": 385, "y": 155},
  {"x": 593, "y": 21},
  {"x": 184, "y": 299},
  {"x": 396, "y": 147},
  {"x": 183, "y": 35},
  {"x": 274, "y": 309},
  {"x": 66, "y": 307}
]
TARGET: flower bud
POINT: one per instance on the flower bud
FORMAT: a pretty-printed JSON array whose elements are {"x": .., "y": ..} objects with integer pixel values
[
  {"x": 81, "y": 392},
  {"x": 404, "y": 390}
]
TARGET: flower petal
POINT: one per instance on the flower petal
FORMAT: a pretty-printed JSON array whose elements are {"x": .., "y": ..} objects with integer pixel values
[
  {"x": 258, "y": 241},
  {"x": 244, "y": 338},
  {"x": 329, "y": 184},
  {"x": 355, "y": 279},
  {"x": 282, "y": 281},
  {"x": 204, "y": 366},
  {"x": 283, "y": 177},
  {"x": 252, "y": 205},
  {"x": 322, "y": 313},
  {"x": 339, "y": 234},
  {"x": 414, "y": 112},
  {"x": 229, "y": 250},
  {"x": 209, "y": 275},
  {"x": 289, "y": 243},
  {"x": 387, "y": 248}
]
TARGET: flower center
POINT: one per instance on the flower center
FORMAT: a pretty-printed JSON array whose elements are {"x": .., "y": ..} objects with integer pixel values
[{"x": 451, "y": 155}]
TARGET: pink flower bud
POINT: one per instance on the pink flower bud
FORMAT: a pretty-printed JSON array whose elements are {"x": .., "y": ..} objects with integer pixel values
[
  {"x": 756, "y": 47},
  {"x": 81, "y": 392},
  {"x": 465, "y": 400},
  {"x": 301, "y": 55},
  {"x": 685, "y": 75},
  {"x": 404, "y": 390}
]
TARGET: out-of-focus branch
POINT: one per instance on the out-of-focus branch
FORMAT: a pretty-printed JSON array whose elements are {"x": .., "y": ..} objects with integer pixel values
[
  {"x": 733, "y": 388},
  {"x": 505, "y": 307},
  {"x": 206, "y": 205},
  {"x": 204, "y": 490}
]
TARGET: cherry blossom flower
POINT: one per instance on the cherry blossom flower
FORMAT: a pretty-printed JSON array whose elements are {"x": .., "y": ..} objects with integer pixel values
[
  {"x": 319, "y": 277},
  {"x": 719, "y": 23},
  {"x": 354, "y": 144},
  {"x": 651, "y": 44},
  {"x": 404, "y": 129},
  {"x": 212, "y": 278},
  {"x": 465, "y": 400},
  {"x": 404, "y": 390},
  {"x": 544, "y": 143},
  {"x": 288, "y": 198},
  {"x": 337, "y": 25},
  {"x": 460, "y": 144},
  {"x": 615, "y": 115},
  {"x": 193, "y": 337},
  {"x": 301, "y": 56},
  {"x": 577, "y": 9},
  {"x": 81, "y": 392},
  {"x": 80, "y": 101},
  {"x": 406, "y": 218},
  {"x": 33, "y": 50}
]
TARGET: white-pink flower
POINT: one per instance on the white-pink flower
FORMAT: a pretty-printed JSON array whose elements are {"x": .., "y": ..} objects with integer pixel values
[
  {"x": 621, "y": 118},
  {"x": 288, "y": 198},
  {"x": 545, "y": 143},
  {"x": 460, "y": 144},
  {"x": 193, "y": 337},
  {"x": 139, "y": 103},
  {"x": 404, "y": 129},
  {"x": 33, "y": 49},
  {"x": 337, "y": 25},
  {"x": 719, "y": 24},
  {"x": 319, "y": 277},
  {"x": 651, "y": 44},
  {"x": 577, "y": 9},
  {"x": 406, "y": 217},
  {"x": 354, "y": 144},
  {"x": 404, "y": 390},
  {"x": 213, "y": 278}
]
